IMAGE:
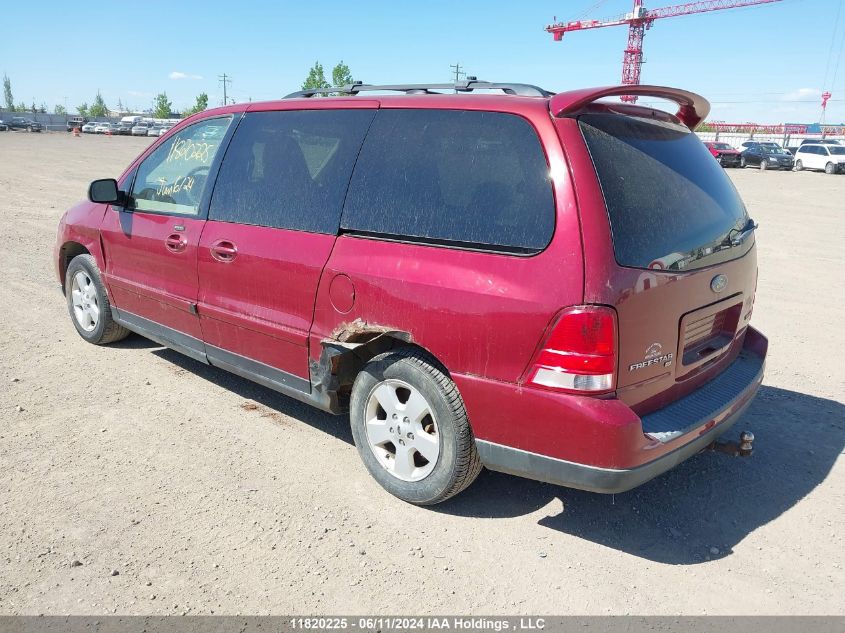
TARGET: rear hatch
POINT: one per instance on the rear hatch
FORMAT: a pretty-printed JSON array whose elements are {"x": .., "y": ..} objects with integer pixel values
[{"x": 680, "y": 266}]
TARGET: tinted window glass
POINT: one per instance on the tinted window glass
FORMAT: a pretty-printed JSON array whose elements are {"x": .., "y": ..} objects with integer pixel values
[
  {"x": 670, "y": 204},
  {"x": 289, "y": 169},
  {"x": 172, "y": 178},
  {"x": 474, "y": 178}
]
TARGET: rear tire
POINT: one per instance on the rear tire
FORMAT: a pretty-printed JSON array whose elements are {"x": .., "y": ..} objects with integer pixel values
[
  {"x": 742, "y": 162},
  {"x": 799, "y": 165},
  {"x": 411, "y": 427},
  {"x": 764, "y": 165},
  {"x": 88, "y": 303},
  {"x": 830, "y": 168}
]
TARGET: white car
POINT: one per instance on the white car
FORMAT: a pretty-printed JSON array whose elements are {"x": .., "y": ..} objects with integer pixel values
[
  {"x": 102, "y": 128},
  {"x": 830, "y": 158},
  {"x": 141, "y": 129},
  {"x": 88, "y": 128}
]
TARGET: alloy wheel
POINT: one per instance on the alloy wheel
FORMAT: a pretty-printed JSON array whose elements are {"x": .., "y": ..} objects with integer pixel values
[
  {"x": 86, "y": 307},
  {"x": 402, "y": 430}
]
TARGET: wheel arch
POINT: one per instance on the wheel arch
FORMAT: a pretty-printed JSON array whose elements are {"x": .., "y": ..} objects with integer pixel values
[
  {"x": 348, "y": 350},
  {"x": 67, "y": 252}
]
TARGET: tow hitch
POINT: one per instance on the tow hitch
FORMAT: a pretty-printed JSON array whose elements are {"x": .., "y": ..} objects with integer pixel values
[{"x": 743, "y": 448}]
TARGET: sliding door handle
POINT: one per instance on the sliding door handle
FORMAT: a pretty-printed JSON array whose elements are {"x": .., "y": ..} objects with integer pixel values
[{"x": 224, "y": 251}]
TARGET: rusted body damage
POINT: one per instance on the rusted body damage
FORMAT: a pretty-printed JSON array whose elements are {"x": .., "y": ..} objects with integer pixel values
[{"x": 344, "y": 354}]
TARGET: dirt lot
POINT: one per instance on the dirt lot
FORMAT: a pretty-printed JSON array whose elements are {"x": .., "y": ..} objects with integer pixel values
[{"x": 180, "y": 488}]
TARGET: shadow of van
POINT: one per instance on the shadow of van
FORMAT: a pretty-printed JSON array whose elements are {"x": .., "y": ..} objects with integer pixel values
[{"x": 709, "y": 501}]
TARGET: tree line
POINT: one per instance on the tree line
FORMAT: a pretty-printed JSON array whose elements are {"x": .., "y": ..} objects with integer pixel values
[{"x": 162, "y": 106}]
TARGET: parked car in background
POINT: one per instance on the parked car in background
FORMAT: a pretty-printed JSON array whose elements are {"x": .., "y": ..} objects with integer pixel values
[
  {"x": 829, "y": 157},
  {"x": 814, "y": 141},
  {"x": 726, "y": 155},
  {"x": 124, "y": 128},
  {"x": 609, "y": 341},
  {"x": 767, "y": 144},
  {"x": 102, "y": 128},
  {"x": 154, "y": 130},
  {"x": 766, "y": 156},
  {"x": 140, "y": 128},
  {"x": 21, "y": 123},
  {"x": 3, "y": 126},
  {"x": 89, "y": 127},
  {"x": 820, "y": 141},
  {"x": 76, "y": 122}
]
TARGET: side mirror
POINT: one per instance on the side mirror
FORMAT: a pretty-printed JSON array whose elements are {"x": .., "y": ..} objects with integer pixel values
[{"x": 105, "y": 191}]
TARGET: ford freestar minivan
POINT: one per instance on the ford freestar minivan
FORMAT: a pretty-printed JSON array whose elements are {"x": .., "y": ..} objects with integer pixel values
[{"x": 480, "y": 274}]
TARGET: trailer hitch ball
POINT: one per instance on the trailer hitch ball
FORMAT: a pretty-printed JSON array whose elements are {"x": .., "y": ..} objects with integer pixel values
[
  {"x": 743, "y": 448},
  {"x": 746, "y": 443}
]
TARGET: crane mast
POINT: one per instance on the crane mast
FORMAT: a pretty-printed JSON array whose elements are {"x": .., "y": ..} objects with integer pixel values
[{"x": 639, "y": 20}]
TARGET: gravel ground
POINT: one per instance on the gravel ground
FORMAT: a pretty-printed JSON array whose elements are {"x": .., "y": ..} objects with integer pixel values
[{"x": 134, "y": 480}]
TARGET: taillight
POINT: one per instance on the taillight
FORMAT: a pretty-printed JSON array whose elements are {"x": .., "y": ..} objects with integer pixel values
[{"x": 579, "y": 354}]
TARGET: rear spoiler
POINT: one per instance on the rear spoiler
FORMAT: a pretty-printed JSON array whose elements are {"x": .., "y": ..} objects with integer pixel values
[{"x": 692, "y": 108}]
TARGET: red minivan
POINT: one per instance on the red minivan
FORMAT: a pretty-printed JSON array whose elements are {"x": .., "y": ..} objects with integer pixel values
[{"x": 550, "y": 285}]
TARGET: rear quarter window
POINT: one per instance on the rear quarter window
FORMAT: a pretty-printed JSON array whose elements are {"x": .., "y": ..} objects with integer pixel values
[{"x": 461, "y": 178}]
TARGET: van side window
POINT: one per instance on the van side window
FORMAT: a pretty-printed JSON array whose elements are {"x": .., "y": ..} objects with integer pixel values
[
  {"x": 465, "y": 178},
  {"x": 289, "y": 169},
  {"x": 171, "y": 179}
]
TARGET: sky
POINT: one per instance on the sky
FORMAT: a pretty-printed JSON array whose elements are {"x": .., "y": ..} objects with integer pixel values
[{"x": 766, "y": 64}]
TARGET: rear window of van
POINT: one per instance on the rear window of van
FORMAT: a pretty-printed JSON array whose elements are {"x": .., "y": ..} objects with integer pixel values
[{"x": 670, "y": 205}]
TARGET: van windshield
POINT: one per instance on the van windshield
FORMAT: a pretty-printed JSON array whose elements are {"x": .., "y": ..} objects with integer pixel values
[{"x": 670, "y": 205}]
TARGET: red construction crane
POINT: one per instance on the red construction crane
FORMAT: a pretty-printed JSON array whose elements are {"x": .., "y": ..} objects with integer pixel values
[{"x": 639, "y": 20}]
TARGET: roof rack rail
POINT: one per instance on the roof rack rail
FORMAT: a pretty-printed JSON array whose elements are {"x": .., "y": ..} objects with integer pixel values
[{"x": 470, "y": 84}]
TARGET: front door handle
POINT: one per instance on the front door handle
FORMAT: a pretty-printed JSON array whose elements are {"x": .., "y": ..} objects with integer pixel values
[
  {"x": 224, "y": 251},
  {"x": 175, "y": 243}
]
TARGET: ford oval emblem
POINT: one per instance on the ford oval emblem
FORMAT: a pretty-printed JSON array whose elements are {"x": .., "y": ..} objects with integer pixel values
[{"x": 718, "y": 283}]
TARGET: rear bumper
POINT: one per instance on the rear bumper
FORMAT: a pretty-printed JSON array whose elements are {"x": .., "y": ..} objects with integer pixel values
[
  {"x": 584, "y": 477},
  {"x": 702, "y": 416}
]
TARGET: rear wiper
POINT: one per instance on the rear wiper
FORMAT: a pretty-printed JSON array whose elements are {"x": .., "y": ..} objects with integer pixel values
[{"x": 744, "y": 233}]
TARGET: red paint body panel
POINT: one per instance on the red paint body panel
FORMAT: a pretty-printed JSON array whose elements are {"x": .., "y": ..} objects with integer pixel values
[
  {"x": 260, "y": 305},
  {"x": 479, "y": 312},
  {"x": 145, "y": 277},
  {"x": 79, "y": 225}
]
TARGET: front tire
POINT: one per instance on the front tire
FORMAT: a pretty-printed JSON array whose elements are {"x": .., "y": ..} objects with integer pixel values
[
  {"x": 742, "y": 162},
  {"x": 411, "y": 427},
  {"x": 88, "y": 303},
  {"x": 764, "y": 165},
  {"x": 799, "y": 165}
]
